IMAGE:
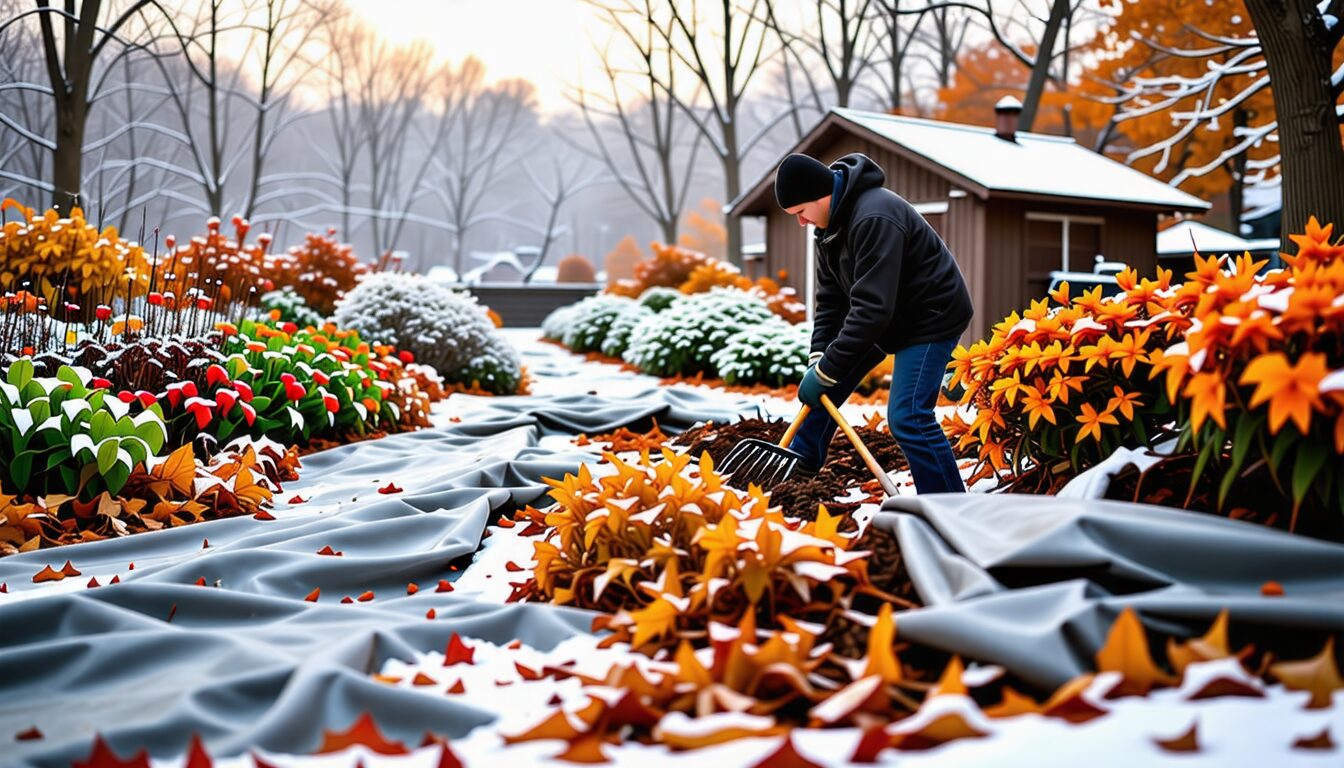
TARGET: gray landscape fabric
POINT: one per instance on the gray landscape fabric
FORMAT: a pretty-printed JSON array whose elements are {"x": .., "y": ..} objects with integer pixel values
[{"x": 1025, "y": 582}]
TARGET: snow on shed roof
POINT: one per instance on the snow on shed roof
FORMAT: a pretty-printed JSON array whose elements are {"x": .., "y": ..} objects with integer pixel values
[
  {"x": 1035, "y": 163},
  {"x": 1178, "y": 239}
]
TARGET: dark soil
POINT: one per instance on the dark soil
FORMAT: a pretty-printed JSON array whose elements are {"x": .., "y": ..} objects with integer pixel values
[{"x": 799, "y": 497}]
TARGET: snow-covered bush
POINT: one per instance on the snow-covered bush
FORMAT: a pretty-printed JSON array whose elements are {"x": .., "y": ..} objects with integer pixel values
[
  {"x": 441, "y": 327},
  {"x": 683, "y": 338},
  {"x": 557, "y": 323},
  {"x": 292, "y": 307},
  {"x": 618, "y": 338},
  {"x": 659, "y": 298},
  {"x": 774, "y": 354},
  {"x": 592, "y": 319}
]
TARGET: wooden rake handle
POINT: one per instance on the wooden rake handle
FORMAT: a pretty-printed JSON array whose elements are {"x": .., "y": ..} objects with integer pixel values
[
  {"x": 888, "y": 487},
  {"x": 793, "y": 428}
]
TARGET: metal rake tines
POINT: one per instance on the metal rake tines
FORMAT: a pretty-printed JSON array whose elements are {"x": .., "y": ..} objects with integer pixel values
[{"x": 759, "y": 462}]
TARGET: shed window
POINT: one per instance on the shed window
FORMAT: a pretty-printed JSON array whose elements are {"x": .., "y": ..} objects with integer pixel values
[{"x": 1059, "y": 242}]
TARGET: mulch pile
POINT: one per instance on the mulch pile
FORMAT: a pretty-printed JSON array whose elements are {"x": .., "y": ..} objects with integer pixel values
[{"x": 799, "y": 498}]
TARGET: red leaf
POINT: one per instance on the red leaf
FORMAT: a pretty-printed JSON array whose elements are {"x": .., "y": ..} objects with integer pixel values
[
  {"x": 873, "y": 741},
  {"x": 444, "y": 586},
  {"x": 4, "y": 588},
  {"x": 786, "y": 757},
  {"x": 131, "y": 567},
  {"x": 103, "y": 757},
  {"x": 297, "y": 499},
  {"x": 197, "y": 757},
  {"x": 200, "y": 582},
  {"x": 263, "y": 515},
  {"x": 515, "y": 645},
  {"x": 391, "y": 488},
  {"x": 366, "y": 597},
  {"x": 505, "y": 522},
  {"x": 347, "y": 600},
  {"x": 1271, "y": 589},
  {"x": 527, "y": 673},
  {"x": 115, "y": 580},
  {"x": 412, "y": 588},
  {"x": 32, "y": 734},
  {"x": 512, "y": 567},
  {"x": 458, "y": 652},
  {"x": 205, "y": 543},
  {"x": 458, "y": 687},
  {"x": 430, "y": 614},
  {"x": 70, "y": 570},
  {"x": 422, "y": 679},
  {"x": 93, "y": 582},
  {"x": 363, "y": 732},
  {"x": 327, "y": 550},
  {"x": 259, "y": 763},
  {"x": 312, "y": 596},
  {"x": 48, "y": 574},
  {"x": 448, "y": 758}
]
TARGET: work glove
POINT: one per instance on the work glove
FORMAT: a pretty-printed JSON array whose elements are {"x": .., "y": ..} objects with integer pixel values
[{"x": 812, "y": 386}]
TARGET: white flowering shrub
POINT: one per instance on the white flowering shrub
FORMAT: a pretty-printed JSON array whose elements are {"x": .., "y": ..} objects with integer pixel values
[
  {"x": 773, "y": 353},
  {"x": 292, "y": 307},
  {"x": 592, "y": 319},
  {"x": 659, "y": 297},
  {"x": 557, "y": 323},
  {"x": 441, "y": 327},
  {"x": 618, "y": 338},
  {"x": 684, "y": 337}
]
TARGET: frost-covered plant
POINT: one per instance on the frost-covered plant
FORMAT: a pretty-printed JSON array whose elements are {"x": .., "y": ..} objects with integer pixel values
[
  {"x": 774, "y": 354},
  {"x": 592, "y": 319},
  {"x": 557, "y": 323},
  {"x": 618, "y": 338},
  {"x": 441, "y": 327},
  {"x": 292, "y": 307},
  {"x": 683, "y": 338},
  {"x": 659, "y": 298}
]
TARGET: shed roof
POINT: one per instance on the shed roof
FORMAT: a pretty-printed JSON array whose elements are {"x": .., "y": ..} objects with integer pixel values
[
  {"x": 1190, "y": 236},
  {"x": 1035, "y": 165}
]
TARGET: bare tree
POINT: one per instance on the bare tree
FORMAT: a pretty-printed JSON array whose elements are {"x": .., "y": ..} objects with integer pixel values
[
  {"x": 555, "y": 189},
  {"x": 25, "y": 114},
  {"x": 479, "y": 145},
  {"x": 895, "y": 43},
  {"x": 648, "y": 153},
  {"x": 839, "y": 38}
]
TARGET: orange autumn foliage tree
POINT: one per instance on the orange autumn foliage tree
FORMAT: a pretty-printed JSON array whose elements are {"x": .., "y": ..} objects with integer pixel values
[
  {"x": 986, "y": 73},
  {"x": 1126, "y": 50},
  {"x": 703, "y": 230}
]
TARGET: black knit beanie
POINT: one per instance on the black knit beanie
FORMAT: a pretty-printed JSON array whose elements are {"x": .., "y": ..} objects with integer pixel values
[{"x": 802, "y": 179}]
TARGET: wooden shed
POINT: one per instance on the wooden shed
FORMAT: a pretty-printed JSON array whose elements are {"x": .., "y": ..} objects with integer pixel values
[{"x": 1011, "y": 206}]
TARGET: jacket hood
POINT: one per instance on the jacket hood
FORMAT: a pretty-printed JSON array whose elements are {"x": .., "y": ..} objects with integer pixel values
[{"x": 858, "y": 175}]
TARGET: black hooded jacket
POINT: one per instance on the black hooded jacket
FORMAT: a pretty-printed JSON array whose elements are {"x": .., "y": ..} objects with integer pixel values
[{"x": 884, "y": 276}]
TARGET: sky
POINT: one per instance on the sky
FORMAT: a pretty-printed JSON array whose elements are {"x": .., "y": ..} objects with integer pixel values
[{"x": 544, "y": 41}]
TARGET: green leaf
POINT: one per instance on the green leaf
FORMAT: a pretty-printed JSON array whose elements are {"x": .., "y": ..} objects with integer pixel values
[
  {"x": 260, "y": 403},
  {"x": 152, "y": 433},
  {"x": 1310, "y": 459},
  {"x": 20, "y": 372},
  {"x": 69, "y": 478},
  {"x": 1205, "y": 454},
  {"x": 102, "y": 426},
  {"x": 1243, "y": 438},
  {"x": 226, "y": 429},
  {"x": 107, "y": 455},
  {"x": 56, "y": 457},
  {"x": 116, "y": 477},
  {"x": 1282, "y": 443},
  {"x": 74, "y": 379},
  {"x": 21, "y": 470}
]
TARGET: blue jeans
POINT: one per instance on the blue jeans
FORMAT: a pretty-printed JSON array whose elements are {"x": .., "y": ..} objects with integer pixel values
[{"x": 915, "y": 381}]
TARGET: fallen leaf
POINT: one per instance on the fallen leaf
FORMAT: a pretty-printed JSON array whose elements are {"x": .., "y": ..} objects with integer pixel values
[
  {"x": 391, "y": 488},
  {"x": 949, "y": 724},
  {"x": 1321, "y": 740},
  {"x": 200, "y": 582},
  {"x": 881, "y": 648},
  {"x": 327, "y": 550},
  {"x": 1186, "y": 742},
  {"x": 444, "y": 586},
  {"x": 1126, "y": 652},
  {"x": 312, "y": 596},
  {"x": 557, "y": 725},
  {"x": 1215, "y": 679},
  {"x": 514, "y": 645},
  {"x": 527, "y": 673},
  {"x": 871, "y": 743},
  {"x": 1013, "y": 704},
  {"x": 205, "y": 543},
  {"x": 197, "y": 757},
  {"x": 366, "y": 597},
  {"x": 458, "y": 652},
  {"x": 103, "y": 757},
  {"x": 347, "y": 600},
  {"x": 364, "y": 732},
  {"x": 130, "y": 567},
  {"x": 1212, "y": 645},
  {"x": 430, "y": 614},
  {"x": 48, "y": 574},
  {"x": 505, "y": 522},
  {"x": 448, "y": 758},
  {"x": 786, "y": 757},
  {"x": 4, "y": 588},
  {"x": 263, "y": 515},
  {"x": 93, "y": 582},
  {"x": 422, "y": 679},
  {"x": 1068, "y": 703},
  {"x": 32, "y": 734},
  {"x": 512, "y": 567},
  {"x": 115, "y": 580},
  {"x": 297, "y": 499},
  {"x": 584, "y": 749},
  {"x": 1318, "y": 674},
  {"x": 412, "y": 588},
  {"x": 1271, "y": 589},
  {"x": 950, "y": 684},
  {"x": 457, "y": 687},
  {"x": 69, "y": 569}
]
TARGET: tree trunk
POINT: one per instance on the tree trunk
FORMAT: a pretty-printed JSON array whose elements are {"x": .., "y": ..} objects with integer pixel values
[
  {"x": 732, "y": 181},
  {"x": 67, "y": 159},
  {"x": 1041, "y": 70},
  {"x": 1298, "y": 50}
]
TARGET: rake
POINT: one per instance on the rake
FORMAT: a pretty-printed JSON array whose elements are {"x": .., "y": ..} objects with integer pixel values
[{"x": 767, "y": 464}]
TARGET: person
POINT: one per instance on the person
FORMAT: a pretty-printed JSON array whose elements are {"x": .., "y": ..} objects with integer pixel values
[{"x": 886, "y": 284}]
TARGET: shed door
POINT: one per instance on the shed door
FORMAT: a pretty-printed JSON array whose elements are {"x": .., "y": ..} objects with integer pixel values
[{"x": 1058, "y": 242}]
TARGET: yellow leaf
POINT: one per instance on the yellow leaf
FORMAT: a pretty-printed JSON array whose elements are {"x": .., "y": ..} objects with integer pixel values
[
  {"x": 881, "y": 648},
  {"x": 1318, "y": 674},
  {"x": 1126, "y": 652}
]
